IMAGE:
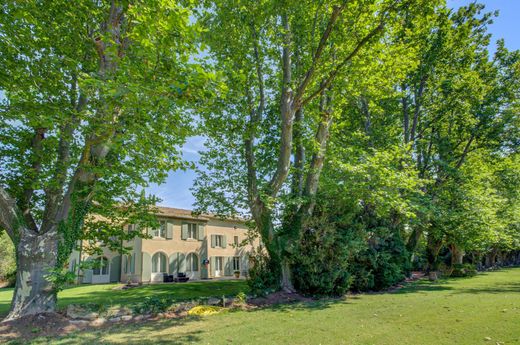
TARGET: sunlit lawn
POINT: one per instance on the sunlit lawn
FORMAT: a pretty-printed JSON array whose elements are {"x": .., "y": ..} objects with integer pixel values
[
  {"x": 480, "y": 310},
  {"x": 104, "y": 293}
]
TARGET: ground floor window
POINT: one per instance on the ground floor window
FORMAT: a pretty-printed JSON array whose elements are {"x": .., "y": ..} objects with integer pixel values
[
  {"x": 236, "y": 263},
  {"x": 192, "y": 262},
  {"x": 159, "y": 263},
  {"x": 100, "y": 266}
]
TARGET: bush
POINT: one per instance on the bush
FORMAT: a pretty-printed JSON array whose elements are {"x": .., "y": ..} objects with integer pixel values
[
  {"x": 384, "y": 264},
  {"x": 152, "y": 305},
  {"x": 7, "y": 260},
  {"x": 263, "y": 275},
  {"x": 322, "y": 266}
]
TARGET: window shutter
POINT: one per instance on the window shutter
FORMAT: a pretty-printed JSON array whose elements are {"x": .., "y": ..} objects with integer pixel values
[
  {"x": 224, "y": 241},
  {"x": 200, "y": 232},
  {"x": 184, "y": 231},
  {"x": 182, "y": 262},
  {"x": 212, "y": 241},
  {"x": 227, "y": 266},
  {"x": 169, "y": 231},
  {"x": 212, "y": 265}
]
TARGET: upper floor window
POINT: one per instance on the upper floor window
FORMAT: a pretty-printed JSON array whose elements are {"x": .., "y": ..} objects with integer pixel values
[
  {"x": 192, "y": 231},
  {"x": 235, "y": 240},
  {"x": 160, "y": 231},
  {"x": 218, "y": 241}
]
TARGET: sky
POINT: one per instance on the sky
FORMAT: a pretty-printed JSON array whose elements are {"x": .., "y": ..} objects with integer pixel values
[{"x": 175, "y": 192}]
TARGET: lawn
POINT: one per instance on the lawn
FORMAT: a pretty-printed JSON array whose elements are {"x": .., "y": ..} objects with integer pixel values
[
  {"x": 104, "y": 293},
  {"x": 480, "y": 310}
]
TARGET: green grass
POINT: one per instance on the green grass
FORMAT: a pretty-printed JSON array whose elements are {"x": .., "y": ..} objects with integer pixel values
[
  {"x": 104, "y": 293},
  {"x": 457, "y": 311}
]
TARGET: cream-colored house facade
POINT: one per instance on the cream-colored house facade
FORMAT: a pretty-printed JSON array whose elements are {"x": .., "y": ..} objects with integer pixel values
[{"x": 202, "y": 247}]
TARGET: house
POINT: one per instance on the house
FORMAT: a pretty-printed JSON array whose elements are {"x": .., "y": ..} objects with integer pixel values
[{"x": 203, "y": 247}]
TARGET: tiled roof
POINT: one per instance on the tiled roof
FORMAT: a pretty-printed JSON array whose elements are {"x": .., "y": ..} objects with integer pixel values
[{"x": 188, "y": 214}]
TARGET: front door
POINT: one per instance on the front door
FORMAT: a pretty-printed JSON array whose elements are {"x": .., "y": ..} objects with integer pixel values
[{"x": 219, "y": 266}]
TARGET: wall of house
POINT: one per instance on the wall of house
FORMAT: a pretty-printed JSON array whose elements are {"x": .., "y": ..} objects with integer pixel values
[{"x": 137, "y": 265}]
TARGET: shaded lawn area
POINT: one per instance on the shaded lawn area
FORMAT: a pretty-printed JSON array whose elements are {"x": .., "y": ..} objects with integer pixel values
[
  {"x": 104, "y": 293},
  {"x": 480, "y": 310}
]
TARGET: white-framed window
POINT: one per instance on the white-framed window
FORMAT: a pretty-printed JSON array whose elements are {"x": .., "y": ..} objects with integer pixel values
[
  {"x": 161, "y": 230},
  {"x": 101, "y": 266},
  {"x": 219, "y": 240},
  {"x": 192, "y": 231},
  {"x": 236, "y": 263},
  {"x": 192, "y": 262},
  {"x": 159, "y": 263}
]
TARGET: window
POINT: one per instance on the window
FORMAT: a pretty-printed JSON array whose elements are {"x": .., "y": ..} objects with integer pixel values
[
  {"x": 236, "y": 263},
  {"x": 192, "y": 230},
  {"x": 160, "y": 231},
  {"x": 235, "y": 240},
  {"x": 159, "y": 263},
  {"x": 101, "y": 266},
  {"x": 125, "y": 264},
  {"x": 192, "y": 262},
  {"x": 218, "y": 241}
]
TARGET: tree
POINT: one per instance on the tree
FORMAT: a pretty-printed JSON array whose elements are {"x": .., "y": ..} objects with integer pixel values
[
  {"x": 286, "y": 64},
  {"x": 455, "y": 103},
  {"x": 94, "y": 107}
]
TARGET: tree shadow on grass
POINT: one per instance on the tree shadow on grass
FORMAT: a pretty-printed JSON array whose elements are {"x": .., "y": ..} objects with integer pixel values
[
  {"x": 497, "y": 289},
  {"x": 128, "y": 333}
]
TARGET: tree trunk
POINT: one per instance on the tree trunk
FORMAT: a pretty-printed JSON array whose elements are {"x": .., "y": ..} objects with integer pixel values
[
  {"x": 457, "y": 255},
  {"x": 432, "y": 253},
  {"x": 34, "y": 293},
  {"x": 286, "y": 278}
]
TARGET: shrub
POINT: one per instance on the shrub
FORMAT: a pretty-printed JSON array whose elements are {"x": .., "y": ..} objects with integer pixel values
[
  {"x": 152, "y": 305},
  {"x": 322, "y": 268},
  {"x": 263, "y": 275},
  {"x": 241, "y": 297},
  {"x": 7, "y": 260},
  {"x": 384, "y": 264}
]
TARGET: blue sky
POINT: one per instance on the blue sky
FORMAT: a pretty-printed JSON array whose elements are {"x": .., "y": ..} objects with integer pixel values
[{"x": 175, "y": 191}]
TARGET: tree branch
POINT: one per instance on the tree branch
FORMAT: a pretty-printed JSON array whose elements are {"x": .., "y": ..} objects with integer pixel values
[
  {"x": 336, "y": 12},
  {"x": 332, "y": 75},
  {"x": 8, "y": 214}
]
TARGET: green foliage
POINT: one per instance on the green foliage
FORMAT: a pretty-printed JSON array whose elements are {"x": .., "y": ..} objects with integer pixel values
[
  {"x": 322, "y": 263},
  {"x": 263, "y": 274},
  {"x": 152, "y": 305},
  {"x": 241, "y": 297},
  {"x": 7, "y": 260},
  {"x": 463, "y": 270}
]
